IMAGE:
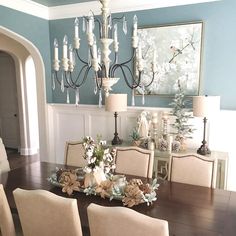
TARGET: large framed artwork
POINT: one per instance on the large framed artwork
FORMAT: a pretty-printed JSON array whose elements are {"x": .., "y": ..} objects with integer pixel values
[{"x": 177, "y": 52}]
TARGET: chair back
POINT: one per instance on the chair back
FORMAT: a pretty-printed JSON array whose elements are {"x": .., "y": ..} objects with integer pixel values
[
  {"x": 134, "y": 161},
  {"x": 44, "y": 213},
  {"x": 74, "y": 152},
  {"x": 4, "y": 164},
  {"x": 193, "y": 169},
  {"x": 116, "y": 221},
  {"x": 6, "y": 221}
]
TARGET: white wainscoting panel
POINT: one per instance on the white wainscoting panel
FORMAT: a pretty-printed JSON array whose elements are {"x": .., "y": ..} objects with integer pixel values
[{"x": 72, "y": 123}]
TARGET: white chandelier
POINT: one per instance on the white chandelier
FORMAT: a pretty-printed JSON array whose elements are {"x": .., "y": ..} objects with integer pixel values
[{"x": 99, "y": 60}]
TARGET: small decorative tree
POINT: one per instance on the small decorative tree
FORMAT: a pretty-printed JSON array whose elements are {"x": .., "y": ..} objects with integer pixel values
[{"x": 182, "y": 114}]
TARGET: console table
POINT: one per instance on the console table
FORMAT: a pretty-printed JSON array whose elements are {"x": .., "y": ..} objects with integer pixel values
[{"x": 161, "y": 165}]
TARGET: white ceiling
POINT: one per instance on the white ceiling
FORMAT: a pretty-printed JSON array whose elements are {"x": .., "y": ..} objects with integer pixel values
[{"x": 52, "y": 3}]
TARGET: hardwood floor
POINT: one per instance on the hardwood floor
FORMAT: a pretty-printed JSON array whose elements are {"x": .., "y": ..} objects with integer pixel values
[{"x": 16, "y": 160}]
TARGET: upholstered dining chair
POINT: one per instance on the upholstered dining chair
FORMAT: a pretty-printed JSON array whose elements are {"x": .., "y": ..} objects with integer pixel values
[
  {"x": 193, "y": 169},
  {"x": 7, "y": 220},
  {"x": 4, "y": 164},
  {"x": 74, "y": 152},
  {"x": 134, "y": 161},
  {"x": 116, "y": 221},
  {"x": 44, "y": 213}
]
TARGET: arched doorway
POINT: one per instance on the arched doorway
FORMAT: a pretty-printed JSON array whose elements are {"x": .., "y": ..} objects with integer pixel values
[
  {"x": 20, "y": 49},
  {"x": 9, "y": 121}
]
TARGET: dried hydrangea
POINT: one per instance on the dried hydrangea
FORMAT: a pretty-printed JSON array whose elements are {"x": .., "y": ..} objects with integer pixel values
[
  {"x": 105, "y": 188},
  {"x": 133, "y": 195},
  {"x": 68, "y": 180}
]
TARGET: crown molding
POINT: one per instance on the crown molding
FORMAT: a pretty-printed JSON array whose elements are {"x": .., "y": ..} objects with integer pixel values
[
  {"x": 74, "y": 10},
  {"x": 28, "y": 7},
  {"x": 81, "y": 9}
]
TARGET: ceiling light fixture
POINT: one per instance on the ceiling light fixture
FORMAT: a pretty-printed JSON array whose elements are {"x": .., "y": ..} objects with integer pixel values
[{"x": 99, "y": 60}]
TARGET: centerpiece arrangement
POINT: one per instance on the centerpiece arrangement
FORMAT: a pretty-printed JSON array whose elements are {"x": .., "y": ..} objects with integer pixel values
[
  {"x": 100, "y": 161},
  {"x": 97, "y": 178}
]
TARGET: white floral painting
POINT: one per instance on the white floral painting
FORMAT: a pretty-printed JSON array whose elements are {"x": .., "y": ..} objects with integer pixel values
[{"x": 177, "y": 52}]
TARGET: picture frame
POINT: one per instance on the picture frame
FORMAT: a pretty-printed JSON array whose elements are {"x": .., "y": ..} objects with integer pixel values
[{"x": 177, "y": 50}]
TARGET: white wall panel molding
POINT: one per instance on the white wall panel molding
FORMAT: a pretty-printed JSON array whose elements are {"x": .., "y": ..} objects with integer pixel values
[
  {"x": 81, "y": 9},
  {"x": 29, "y": 151},
  {"x": 70, "y": 122}
]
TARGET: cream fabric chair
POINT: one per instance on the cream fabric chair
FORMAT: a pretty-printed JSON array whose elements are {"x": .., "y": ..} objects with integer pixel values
[
  {"x": 74, "y": 153},
  {"x": 45, "y": 214},
  {"x": 134, "y": 161},
  {"x": 4, "y": 164},
  {"x": 117, "y": 221},
  {"x": 6, "y": 221},
  {"x": 193, "y": 169}
]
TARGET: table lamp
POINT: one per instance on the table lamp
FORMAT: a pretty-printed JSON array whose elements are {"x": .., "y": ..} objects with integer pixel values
[
  {"x": 116, "y": 103},
  {"x": 206, "y": 107}
]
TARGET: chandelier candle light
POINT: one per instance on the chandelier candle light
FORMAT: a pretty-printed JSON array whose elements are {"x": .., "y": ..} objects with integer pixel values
[
  {"x": 99, "y": 60},
  {"x": 205, "y": 106}
]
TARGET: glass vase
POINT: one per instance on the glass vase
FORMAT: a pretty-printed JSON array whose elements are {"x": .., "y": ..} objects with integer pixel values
[{"x": 94, "y": 178}]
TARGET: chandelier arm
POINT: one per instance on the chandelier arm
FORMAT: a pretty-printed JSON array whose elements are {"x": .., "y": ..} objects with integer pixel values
[
  {"x": 56, "y": 76},
  {"x": 129, "y": 60},
  {"x": 68, "y": 82},
  {"x": 153, "y": 76},
  {"x": 81, "y": 70},
  {"x": 113, "y": 64},
  {"x": 135, "y": 83},
  {"x": 59, "y": 82},
  {"x": 114, "y": 67},
  {"x": 131, "y": 86},
  {"x": 77, "y": 79},
  {"x": 86, "y": 73},
  {"x": 78, "y": 56}
]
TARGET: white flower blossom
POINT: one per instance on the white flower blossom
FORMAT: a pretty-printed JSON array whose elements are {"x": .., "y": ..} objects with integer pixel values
[
  {"x": 87, "y": 169},
  {"x": 103, "y": 142}
]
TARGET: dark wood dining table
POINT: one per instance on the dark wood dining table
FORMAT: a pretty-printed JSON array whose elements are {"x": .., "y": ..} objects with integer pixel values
[{"x": 190, "y": 210}]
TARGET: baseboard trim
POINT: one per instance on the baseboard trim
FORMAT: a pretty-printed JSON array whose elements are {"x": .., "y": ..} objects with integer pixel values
[{"x": 28, "y": 151}]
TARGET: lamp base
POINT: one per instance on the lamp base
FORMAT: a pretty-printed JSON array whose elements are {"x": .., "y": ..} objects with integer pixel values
[
  {"x": 116, "y": 140},
  {"x": 203, "y": 150}
]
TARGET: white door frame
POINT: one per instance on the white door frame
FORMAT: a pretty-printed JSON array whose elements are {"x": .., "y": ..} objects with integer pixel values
[{"x": 18, "y": 50}]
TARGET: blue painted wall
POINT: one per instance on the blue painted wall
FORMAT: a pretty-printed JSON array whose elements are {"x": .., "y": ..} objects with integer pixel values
[
  {"x": 219, "y": 52},
  {"x": 35, "y": 30},
  {"x": 218, "y": 59}
]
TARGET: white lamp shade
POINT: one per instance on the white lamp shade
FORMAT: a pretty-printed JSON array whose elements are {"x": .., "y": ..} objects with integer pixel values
[
  {"x": 116, "y": 102},
  {"x": 206, "y": 106}
]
